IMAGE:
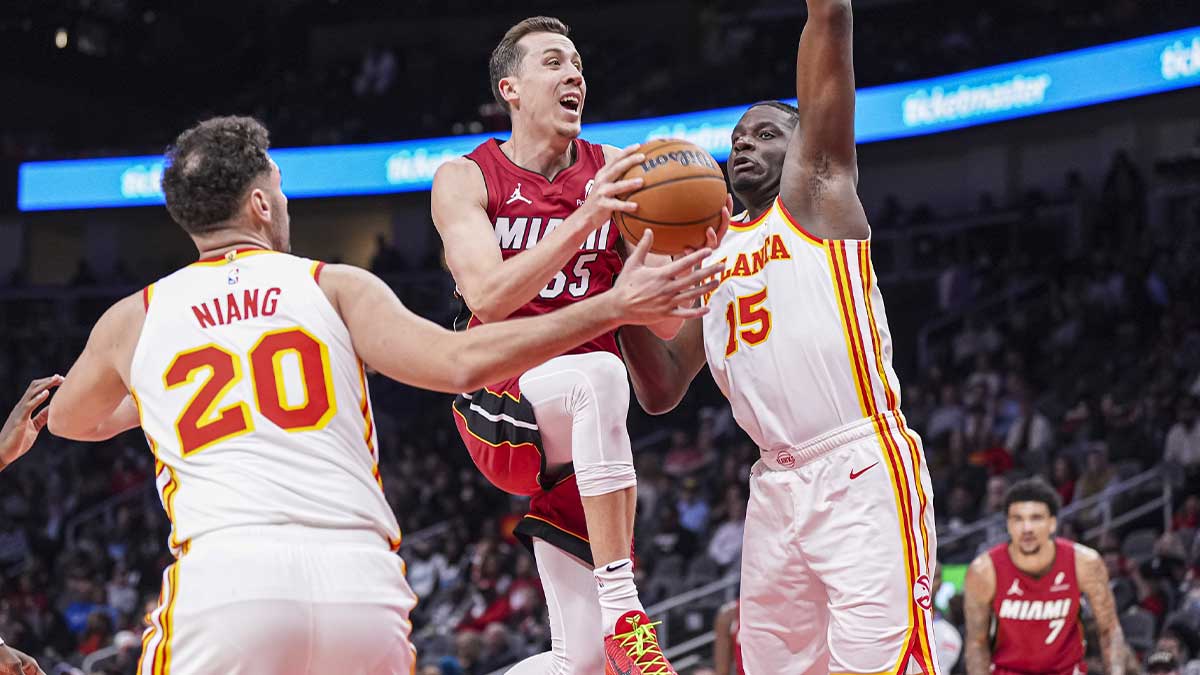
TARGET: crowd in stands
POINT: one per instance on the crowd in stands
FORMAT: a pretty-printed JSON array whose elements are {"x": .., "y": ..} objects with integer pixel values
[
  {"x": 1090, "y": 378},
  {"x": 102, "y": 94}
]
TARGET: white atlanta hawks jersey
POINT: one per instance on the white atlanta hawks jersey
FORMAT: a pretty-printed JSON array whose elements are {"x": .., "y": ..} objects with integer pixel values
[
  {"x": 254, "y": 402},
  {"x": 796, "y": 337}
]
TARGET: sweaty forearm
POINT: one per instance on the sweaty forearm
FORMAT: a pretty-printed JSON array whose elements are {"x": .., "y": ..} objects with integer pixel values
[
  {"x": 492, "y": 352},
  {"x": 661, "y": 371},
  {"x": 1112, "y": 649},
  {"x": 517, "y": 280},
  {"x": 978, "y": 658}
]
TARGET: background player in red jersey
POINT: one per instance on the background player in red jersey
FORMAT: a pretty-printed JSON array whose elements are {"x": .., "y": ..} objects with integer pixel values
[
  {"x": 526, "y": 228},
  {"x": 1022, "y": 597}
]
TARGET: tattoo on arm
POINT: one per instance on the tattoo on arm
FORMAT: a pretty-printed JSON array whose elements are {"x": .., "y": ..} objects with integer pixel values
[
  {"x": 1093, "y": 582},
  {"x": 977, "y": 605}
]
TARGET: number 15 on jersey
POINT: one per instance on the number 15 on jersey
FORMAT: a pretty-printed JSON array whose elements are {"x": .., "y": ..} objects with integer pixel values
[{"x": 749, "y": 321}]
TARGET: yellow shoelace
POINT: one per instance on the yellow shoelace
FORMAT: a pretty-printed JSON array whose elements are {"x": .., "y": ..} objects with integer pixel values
[{"x": 641, "y": 642}]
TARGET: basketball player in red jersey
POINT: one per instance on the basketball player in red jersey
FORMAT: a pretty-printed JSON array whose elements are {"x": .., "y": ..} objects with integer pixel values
[
  {"x": 526, "y": 227},
  {"x": 246, "y": 371},
  {"x": 1022, "y": 597}
]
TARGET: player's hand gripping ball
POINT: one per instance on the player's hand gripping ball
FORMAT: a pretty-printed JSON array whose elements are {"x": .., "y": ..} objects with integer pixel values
[{"x": 682, "y": 194}]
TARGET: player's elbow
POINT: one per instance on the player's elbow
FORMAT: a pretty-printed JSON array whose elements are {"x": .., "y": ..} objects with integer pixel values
[
  {"x": 659, "y": 398},
  {"x": 469, "y": 368},
  {"x": 62, "y": 424},
  {"x": 485, "y": 305},
  {"x": 835, "y": 13}
]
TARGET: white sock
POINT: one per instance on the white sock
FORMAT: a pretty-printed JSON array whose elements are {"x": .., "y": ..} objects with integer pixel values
[{"x": 618, "y": 595}]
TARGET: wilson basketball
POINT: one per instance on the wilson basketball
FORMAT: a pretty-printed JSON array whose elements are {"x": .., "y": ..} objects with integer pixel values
[{"x": 681, "y": 197}]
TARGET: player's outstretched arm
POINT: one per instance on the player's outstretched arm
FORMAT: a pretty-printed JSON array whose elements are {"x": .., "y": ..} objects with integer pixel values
[
  {"x": 1093, "y": 582},
  {"x": 663, "y": 368},
  {"x": 410, "y": 349},
  {"x": 493, "y": 287},
  {"x": 980, "y": 588},
  {"x": 93, "y": 403},
  {"x": 22, "y": 427},
  {"x": 820, "y": 174},
  {"x": 13, "y": 662},
  {"x": 661, "y": 371}
]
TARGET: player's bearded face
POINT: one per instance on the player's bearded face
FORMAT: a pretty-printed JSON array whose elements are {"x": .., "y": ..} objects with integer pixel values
[
  {"x": 1030, "y": 526},
  {"x": 280, "y": 228},
  {"x": 550, "y": 86}
]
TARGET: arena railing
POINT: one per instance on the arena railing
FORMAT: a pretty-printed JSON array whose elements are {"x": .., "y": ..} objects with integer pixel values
[
  {"x": 106, "y": 510},
  {"x": 685, "y": 654},
  {"x": 1064, "y": 218}
]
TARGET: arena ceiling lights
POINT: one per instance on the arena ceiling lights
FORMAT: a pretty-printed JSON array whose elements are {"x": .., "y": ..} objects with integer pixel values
[{"x": 1111, "y": 72}]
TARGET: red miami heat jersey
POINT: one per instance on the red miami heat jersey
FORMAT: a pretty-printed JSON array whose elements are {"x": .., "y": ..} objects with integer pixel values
[
  {"x": 1038, "y": 629},
  {"x": 524, "y": 207}
]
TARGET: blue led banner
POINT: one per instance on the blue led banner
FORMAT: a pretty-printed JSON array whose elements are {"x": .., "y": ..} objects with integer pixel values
[{"x": 1069, "y": 80}]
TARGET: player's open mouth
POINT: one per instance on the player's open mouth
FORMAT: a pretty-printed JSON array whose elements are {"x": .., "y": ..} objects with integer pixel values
[
  {"x": 571, "y": 103},
  {"x": 742, "y": 163}
]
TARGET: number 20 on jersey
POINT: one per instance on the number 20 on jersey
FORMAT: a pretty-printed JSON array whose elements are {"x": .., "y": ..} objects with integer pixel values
[{"x": 204, "y": 422}]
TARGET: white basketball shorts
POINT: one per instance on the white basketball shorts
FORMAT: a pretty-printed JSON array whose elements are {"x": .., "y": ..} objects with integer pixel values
[
  {"x": 836, "y": 560},
  {"x": 282, "y": 600}
]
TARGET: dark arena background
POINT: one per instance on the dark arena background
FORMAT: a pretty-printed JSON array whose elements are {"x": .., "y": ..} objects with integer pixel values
[{"x": 1030, "y": 168}]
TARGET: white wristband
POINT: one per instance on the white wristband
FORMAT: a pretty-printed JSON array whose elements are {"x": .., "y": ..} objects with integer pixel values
[{"x": 1, "y": 642}]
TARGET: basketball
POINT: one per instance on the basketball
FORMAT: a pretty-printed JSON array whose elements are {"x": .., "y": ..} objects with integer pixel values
[{"x": 682, "y": 196}]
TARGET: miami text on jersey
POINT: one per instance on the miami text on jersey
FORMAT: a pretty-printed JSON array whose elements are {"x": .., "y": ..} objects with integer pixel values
[
  {"x": 518, "y": 234},
  {"x": 1035, "y": 610}
]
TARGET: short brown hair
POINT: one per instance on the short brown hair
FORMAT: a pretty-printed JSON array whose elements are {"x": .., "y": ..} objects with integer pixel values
[
  {"x": 507, "y": 55},
  {"x": 1033, "y": 490},
  {"x": 210, "y": 167}
]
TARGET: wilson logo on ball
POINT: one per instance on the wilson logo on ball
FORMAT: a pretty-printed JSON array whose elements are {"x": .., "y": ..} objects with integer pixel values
[
  {"x": 681, "y": 197},
  {"x": 681, "y": 157}
]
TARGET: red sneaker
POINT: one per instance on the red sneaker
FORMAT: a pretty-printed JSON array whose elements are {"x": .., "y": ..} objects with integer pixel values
[{"x": 633, "y": 648}]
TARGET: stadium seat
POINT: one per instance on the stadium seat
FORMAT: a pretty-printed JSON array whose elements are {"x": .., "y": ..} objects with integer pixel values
[
  {"x": 1138, "y": 625},
  {"x": 1139, "y": 545}
]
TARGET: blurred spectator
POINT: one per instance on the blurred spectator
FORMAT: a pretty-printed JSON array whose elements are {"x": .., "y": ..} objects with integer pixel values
[
  {"x": 1163, "y": 663},
  {"x": 1030, "y": 434},
  {"x": 693, "y": 507},
  {"x": 468, "y": 647},
  {"x": 671, "y": 538},
  {"x": 1187, "y": 517},
  {"x": 684, "y": 456},
  {"x": 97, "y": 632},
  {"x": 726, "y": 544},
  {"x": 1096, "y": 476},
  {"x": 948, "y": 417},
  {"x": 498, "y": 650},
  {"x": 1179, "y": 642},
  {"x": 1183, "y": 438},
  {"x": 1063, "y": 478},
  {"x": 425, "y": 567}
]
